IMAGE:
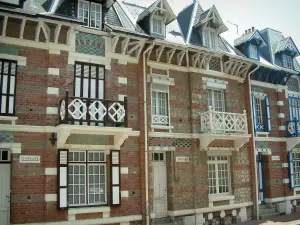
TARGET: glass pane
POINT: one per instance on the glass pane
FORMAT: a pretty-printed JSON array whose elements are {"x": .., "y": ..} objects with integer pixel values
[
  {"x": 6, "y": 66},
  {"x": 77, "y": 87},
  {"x": 93, "y": 88},
  {"x": 11, "y": 105},
  {"x": 85, "y": 88},
  {"x": 12, "y": 85},
  {"x": 13, "y": 69},
  {"x": 4, "y": 84},
  {"x": 3, "y": 104},
  {"x": 101, "y": 89}
]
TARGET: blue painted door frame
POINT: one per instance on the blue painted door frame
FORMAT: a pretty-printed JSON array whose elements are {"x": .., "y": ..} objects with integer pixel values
[{"x": 260, "y": 178}]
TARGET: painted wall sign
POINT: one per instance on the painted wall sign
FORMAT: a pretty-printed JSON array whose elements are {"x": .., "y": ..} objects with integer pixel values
[
  {"x": 275, "y": 157},
  {"x": 182, "y": 159},
  {"x": 30, "y": 159},
  {"x": 90, "y": 44}
]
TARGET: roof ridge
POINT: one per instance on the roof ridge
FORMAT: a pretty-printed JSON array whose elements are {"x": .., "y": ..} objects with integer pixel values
[{"x": 133, "y": 4}]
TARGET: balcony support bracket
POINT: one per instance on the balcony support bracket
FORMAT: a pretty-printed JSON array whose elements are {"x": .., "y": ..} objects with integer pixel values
[{"x": 292, "y": 142}]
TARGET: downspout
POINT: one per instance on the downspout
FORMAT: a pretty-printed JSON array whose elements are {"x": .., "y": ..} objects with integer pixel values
[
  {"x": 146, "y": 131},
  {"x": 253, "y": 141}
]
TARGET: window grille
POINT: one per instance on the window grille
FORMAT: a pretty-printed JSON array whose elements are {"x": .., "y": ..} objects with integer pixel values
[
  {"x": 293, "y": 84},
  {"x": 215, "y": 64}
]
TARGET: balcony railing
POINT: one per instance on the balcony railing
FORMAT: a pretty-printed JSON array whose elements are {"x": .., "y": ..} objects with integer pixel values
[
  {"x": 223, "y": 122},
  {"x": 293, "y": 128},
  {"x": 93, "y": 112},
  {"x": 160, "y": 120}
]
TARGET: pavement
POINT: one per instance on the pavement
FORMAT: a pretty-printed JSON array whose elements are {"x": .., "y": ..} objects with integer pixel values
[{"x": 293, "y": 219}]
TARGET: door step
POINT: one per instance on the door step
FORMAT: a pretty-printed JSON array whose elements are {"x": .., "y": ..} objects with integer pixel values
[
  {"x": 265, "y": 216},
  {"x": 161, "y": 221}
]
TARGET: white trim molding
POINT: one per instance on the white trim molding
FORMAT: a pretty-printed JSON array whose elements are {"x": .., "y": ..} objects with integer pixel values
[
  {"x": 121, "y": 97},
  {"x": 53, "y": 71},
  {"x": 281, "y": 115},
  {"x": 264, "y": 151},
  {"x": 15, "y": 148},
  {"x": 284, "y": 165},
  {"x": 124, "y": 194},
  {"x": 162, "y": 148},
  {"x": 124, "y": 170},
  {"x": 50, "y": 171},
  {"x": 54, "y": 51},
  {"x": 280, "y": 103},
  {"x": 281, "y": 199},
  {"x": 122, "y": 80},
  {"x": 9, "y": 118},
  {"x": 50, "y": 197},
  {"x": 52, "y": 111},
  {"x": 282, "y": 128},
  {"x": 286, "y": 181},
  {"x": 74, "y": 56},
  {"x": 53, "y": 91},
  {"x": 22, "y": 61}
]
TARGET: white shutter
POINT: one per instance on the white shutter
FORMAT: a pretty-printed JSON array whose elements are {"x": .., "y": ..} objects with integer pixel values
[
  {"x": 115, "y": 178},
  {"x": 62, "y": 168},
  {"x": 268, "y": 113},
  {"x": 291, "y": 170},
  {"x": 254, "y": 112}
]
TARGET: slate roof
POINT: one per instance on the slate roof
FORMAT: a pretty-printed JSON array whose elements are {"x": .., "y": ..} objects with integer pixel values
[{"x": 247, "y": 37}]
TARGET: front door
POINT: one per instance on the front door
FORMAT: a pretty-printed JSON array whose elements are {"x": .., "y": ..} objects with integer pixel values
[
  {"x": 260, "y": 178},
  {"x": 159, "y": 185},
  {"x": 4, "y": 187}
]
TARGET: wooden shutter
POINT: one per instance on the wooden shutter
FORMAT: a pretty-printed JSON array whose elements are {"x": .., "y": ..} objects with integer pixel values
[
  {"x": 254, "y": 112},
  {"x": 268, "y": 114},
  {"x": 62, "y": 179},
  {"x": 115, "y": 178},
  {"x": 291, "y": 170}
]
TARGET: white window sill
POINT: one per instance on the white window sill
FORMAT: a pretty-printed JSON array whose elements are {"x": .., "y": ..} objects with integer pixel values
[
  {"x": 218, "y": 198},
  {"x": 263, "y": 133},
  {"x": 162, "y": 127},
  {"x": 91, "y": 209},
  {"x": 9, "y": 118}
]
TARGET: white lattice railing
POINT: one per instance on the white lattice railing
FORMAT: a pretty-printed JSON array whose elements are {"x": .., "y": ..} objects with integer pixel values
[
  {"x": 160, "y": 120},
  {"x": 223, "y": 122},
  {"x": 93, "y": 111}
]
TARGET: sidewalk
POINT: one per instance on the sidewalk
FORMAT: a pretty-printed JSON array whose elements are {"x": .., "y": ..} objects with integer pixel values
[{"x": 293, "y": 219}]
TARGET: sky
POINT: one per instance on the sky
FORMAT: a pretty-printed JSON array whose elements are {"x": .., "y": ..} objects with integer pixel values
[{"x": 281, "y": 15}]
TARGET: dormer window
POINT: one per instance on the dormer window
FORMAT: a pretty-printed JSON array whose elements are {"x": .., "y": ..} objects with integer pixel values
[
  {"x": 15, "y": 3},
  {"x": 210, "y": 38},
  {"x": 90, "y": 13},
  {"x": 287, "y": 61},
  {"x": 157, "y": 25},
  {"x": 253, "y": 52}
]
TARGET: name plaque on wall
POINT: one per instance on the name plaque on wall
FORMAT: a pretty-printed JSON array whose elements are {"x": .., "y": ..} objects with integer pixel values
[
  {"x": 30, "y": 159},
  {"x": 182, "y": 159},
  {"x": 275, "y": 157}
]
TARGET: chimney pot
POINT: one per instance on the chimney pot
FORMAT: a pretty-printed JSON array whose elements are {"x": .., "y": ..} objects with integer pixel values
[
  {"x": 246, "y": 32},
  {"x": 249, "y": 30},
  {"x": 253, "y": 28}
]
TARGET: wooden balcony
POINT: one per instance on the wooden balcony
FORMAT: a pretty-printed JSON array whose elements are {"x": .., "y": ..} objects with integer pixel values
[
  {"x": 93, "y": 112},
  {"x": 293, "y": 133},
  {"x": 223, "y": 125}
]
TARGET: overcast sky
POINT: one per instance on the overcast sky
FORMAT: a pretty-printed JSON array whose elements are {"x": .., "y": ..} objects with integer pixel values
[{"x": 281, "y": 15}]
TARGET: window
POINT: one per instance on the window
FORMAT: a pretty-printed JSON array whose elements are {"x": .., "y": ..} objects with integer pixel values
[
  {"x": 294, "y": 108},
  {"x": 157, "y": 25},
  {"x": 296, "y": 168},
  {"x": 210, "y": 38},
  {"x": 159, "y": 107},
  {"x": 259, "y": 112},
  {"x": 4, "y": 155},
  {"x": 87, "y": 178},
  {"x": 158, "y": 156},
  {"x": 287, "y": 61},
  {"x": 8, "y": 72},
  {"x": 218, "y": 174},
  {"x": 293, "y": 84},
  {"x": 90, "y": 13},
  {"x": 216, "y": 99},
  {"x": 253, "y": 51}
]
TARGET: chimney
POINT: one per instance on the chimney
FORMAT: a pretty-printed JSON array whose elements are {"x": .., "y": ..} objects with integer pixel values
[
  {"x": 249, "y": 31},
  {"x": 246, "y": 32},
  {"x": 253, "y": 28}
]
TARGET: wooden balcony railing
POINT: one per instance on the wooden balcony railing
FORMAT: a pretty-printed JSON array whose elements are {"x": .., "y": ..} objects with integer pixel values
[
  {"x": 93, "y": 112},
  {"x": 223, "y": 122}
]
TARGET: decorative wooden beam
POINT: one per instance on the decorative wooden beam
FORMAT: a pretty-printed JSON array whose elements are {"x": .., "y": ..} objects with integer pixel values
[
  {"x": 124, "y": 45},
  {"x": 170, "y": 54},
  {"x": 231, "y": 71},
  {"x": 140, "y": 50},
  {"x": 134, "y": 43},
  {"x": 238, "y": 69},
  {"x": 37, "y": 31},
  {"x": 187, "y": 58},
  {"x": 180, "y": 57},
  {"x": 115, "y": 40},
  {"x": 158, "y": 53},
  {"x": 195, "y": 59},
  {"x": 137, "y": 45},
  {"x": 56, "y": 33},
  {"x": 244, "y": 75},
  {"x": 201, "y": 65},
  {"x": 206, "y": 64},
  {"x": 22, "y": 27},
  {"x": 46, "y": 31},
  {"x": 70, "y": 31},
  {"x": 245, "y": 68},
  {"x": 4, "y": 24}
]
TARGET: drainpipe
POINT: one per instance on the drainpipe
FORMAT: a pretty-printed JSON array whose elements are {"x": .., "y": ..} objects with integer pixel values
[
  {"x": 146, "y": 132},
  {"x": 253, "y": 141}
]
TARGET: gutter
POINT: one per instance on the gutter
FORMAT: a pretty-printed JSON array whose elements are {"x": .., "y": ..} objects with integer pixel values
[{"x": 253, "y": 141}]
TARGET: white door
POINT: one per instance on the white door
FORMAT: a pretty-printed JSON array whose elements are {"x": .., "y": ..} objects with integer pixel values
[
  {"x": 5, "y": 194},
  {"x": 159, "y": 185}
]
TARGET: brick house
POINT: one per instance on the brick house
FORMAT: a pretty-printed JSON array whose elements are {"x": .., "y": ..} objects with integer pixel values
[
  {"x": 275, "y": 93},
  {"x": 114, "y": 113}
]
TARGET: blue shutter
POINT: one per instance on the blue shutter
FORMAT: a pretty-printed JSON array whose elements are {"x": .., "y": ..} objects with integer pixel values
[
  {"x": 268, "y": 113},
  {"x": 254, "y": 112},
  {"x": 291, "y": 170}
]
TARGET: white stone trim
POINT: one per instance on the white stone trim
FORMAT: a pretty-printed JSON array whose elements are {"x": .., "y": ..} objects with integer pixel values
[
  {"x": 219, "y": 152},
  {"x": 71, "y": 217},
  {"x": 173, "y": 135},
  {"x": 124, "y": 170},
  {"x": 280, "y": 103},
  {"x": 264, "y": 151},
  {"x": 9, "y": 118},
  {"x": 125, "y": 223},
  {"x": 286, "y": 181},
  {"x": 207, "y": 79},
  {"x": 273, "y": 139},
  {"x": 15, "y": 148},
  {"x": 284, "y": 165},
  {"x": 50, "y": 197},
  {"x": 106, "y": 214},
  {"x": 282, "y": 128},
  {"x": 50, "y": 171},
  {"x": 218, "y": 198},
  {"x": 209, "y": 209},
  {"x": 259, "y": 95},
  {"x": 281, "y": 199},
  {"x": 54, "y": 51},
  {"x": 162, "y": 127},
  {"x": 281, "y": 115},
  {"x": 121, "y": 97},
  {"x": 267, "y": 85},
  {"x": 51, "y": 110},
  {"x": 74, "y": 211},
  {"x": 110, "y": 220},
  {"x": 21, "y": 60},
  {"x": 122, "y": 80},
  {"x": 161, "y": 79},
  {"x": 53, "y": 71},
  {"x": 124, "y": 194},
  {"x": 74, "y": 56},
  {"x": 163, "y": 148},
  {"x": 52, "y": 91}
]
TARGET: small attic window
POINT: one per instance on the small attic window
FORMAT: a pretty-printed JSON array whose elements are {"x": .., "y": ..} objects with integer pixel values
[
  {"x": 253, "y": 52},
  {"x": 210, "y": 38},
  {"x": 90, "y": 13},
  {"x": 157, "y": 25},
  {"x": 287, "y": 61}
]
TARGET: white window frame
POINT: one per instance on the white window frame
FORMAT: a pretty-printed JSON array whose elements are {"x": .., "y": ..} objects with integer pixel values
[
  {"x": 258, "y": 107},
  {"x": 214, "y": 161},
  {"x": 287, "y": 61},
  {"x": 155, "y": 88},
  {"x": 86, "y": 163},
  {"x": 253, "y": 52},
  {"x": 214, "y": 96},
  {"x": 90, "y": 4},
  {"x": 162, "y": 25},
  {"x": 296, "y": 168},
  {"x": 208, "y": 40}
]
